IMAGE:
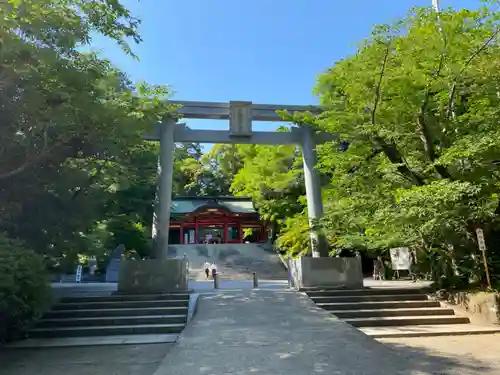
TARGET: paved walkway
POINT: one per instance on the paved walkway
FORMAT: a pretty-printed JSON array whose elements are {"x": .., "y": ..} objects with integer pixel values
[{"x": 281, "y": 332}]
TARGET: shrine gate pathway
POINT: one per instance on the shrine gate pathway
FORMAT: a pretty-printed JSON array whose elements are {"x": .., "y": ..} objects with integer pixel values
[{"x": 277, "y": 332}]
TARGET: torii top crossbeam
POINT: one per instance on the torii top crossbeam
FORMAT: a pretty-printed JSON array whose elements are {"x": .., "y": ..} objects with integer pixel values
[
  {"x": 222, "y": 111},
  {"x": 240, "y": 115}
]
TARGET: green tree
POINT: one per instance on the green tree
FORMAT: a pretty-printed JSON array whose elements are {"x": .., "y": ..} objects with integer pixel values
[
  {"x": 70, "y": 120},
  {"x": 221, "y": 164},
  {"x": 272, "y": 176},
  {"x": 418, "y": 105}
]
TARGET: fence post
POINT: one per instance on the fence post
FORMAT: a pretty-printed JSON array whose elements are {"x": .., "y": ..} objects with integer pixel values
[
  {"x": 216, "y": 281},
  {"x": 289, "y": 270},
  {"x": 255, "y": 281}
]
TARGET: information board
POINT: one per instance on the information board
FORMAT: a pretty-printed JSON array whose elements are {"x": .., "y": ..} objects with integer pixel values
[
  {"x": 78, "y": 277},
  {"x": 400, "y": 258}
]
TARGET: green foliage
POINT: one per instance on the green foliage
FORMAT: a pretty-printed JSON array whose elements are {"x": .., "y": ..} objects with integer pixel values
[
  {"x": 272, "y": 176},
  {"x": 294, "y": 236},
  {"x": 72, "y": 125},
  {"x": 62, "y": 25},
  {"x": 125, "y": 230},
  {"x": 196, "y": 174},
  {"x": 223, "y": 163},
  {"x": 418, "y": 105},
  {"x": 24, "y": 287}
]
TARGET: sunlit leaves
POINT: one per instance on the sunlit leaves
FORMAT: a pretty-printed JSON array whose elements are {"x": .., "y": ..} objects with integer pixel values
[
  {"x": 272, "y": 177},
  {"x": 435, "y": 105},
  {"x": 71, "y": 149}
]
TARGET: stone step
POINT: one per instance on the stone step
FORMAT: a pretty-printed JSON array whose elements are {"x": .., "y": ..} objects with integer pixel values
[
  {"x": 106, "y": 330},
  {"x": 406, "y": 320},
  {"x": 113, "y": 321},
  {"x": 362, "y": 292},
  {"x": 138, "y": 311},
  {"x": 332, "y": 306},
  {"x": 429, "y": 330},
  {"x": 126, "y": 297},
  {"x": 120, "y": 304},
  {"x": 370, "y": 298},
  {"x": 346, "y": 314},
  {"x": 64, "y": 342}
]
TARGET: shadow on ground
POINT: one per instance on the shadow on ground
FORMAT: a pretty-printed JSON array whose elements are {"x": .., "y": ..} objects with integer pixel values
[
  {"x": 95, "y": 360},
  {"x": 424, "y": 361},
  {"x": 281, "y": 332}
]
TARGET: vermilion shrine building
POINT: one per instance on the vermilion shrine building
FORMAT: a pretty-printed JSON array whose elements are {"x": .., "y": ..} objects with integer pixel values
[{"x": 227, "y": 218}]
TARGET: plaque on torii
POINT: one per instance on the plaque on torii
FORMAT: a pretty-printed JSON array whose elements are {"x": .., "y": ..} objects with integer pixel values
[{"x": 240, "y": 119}]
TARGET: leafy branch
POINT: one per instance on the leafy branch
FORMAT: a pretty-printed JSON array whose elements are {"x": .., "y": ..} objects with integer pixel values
[
  {"x": 423, "y": 127},
  {"x": 389, "y": 148},
  {"x": 452, "y": 95}
]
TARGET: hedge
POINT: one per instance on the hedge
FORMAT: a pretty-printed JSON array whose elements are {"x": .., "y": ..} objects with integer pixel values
[{"x": 25, "y": 291}]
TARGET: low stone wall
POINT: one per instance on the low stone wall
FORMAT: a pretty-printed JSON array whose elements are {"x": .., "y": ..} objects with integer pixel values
[
  {"x": 482, "y": 307},
  {"x": 307, "y": 272},
  {"x": 152, "y": 276}
]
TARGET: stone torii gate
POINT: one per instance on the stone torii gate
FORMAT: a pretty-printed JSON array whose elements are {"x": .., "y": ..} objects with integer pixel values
[{"x": 240, "y": 115}]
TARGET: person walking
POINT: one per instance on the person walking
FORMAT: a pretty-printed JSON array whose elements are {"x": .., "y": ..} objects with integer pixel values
[
  {"x": 378, "y": 269},
  {"x": 412, "y": 268},
  {"x": 213, "y": 268},
  {"x": 206, "y": 266}
]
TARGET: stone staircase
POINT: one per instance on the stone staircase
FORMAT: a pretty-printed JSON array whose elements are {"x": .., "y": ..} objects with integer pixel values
[
  {"x": 391, "y": 312},
  {"x": 235, "y": 262},
  {"x": 86, "y": 316}
]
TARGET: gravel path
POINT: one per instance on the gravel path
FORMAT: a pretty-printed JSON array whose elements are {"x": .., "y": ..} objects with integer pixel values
[{"x": 475, "y": 354}]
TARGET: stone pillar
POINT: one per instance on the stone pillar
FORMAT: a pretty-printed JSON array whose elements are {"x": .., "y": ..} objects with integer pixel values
[
  {"x": 319, "y": 243},
  {"x": 166, "y": 168}
]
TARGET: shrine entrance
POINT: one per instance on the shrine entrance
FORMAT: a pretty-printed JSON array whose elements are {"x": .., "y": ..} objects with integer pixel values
[
  {"x": 214, "y": 220},
  {"x": 240, "y": 116}
]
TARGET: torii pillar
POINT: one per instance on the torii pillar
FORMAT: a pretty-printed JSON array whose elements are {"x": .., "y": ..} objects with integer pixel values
[
  {"x": 161, "y": 222},
  {"x": 318, "y": 240}
]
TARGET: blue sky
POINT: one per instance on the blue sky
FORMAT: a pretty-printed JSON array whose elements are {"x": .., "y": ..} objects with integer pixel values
[{"x": 264, "y": 51}]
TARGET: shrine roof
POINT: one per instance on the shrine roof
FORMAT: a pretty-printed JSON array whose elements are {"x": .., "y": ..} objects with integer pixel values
[{"x": 185, "y": 205}]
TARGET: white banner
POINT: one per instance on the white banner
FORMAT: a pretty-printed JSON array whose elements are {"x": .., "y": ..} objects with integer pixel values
[{"x": 400, "y": 258}]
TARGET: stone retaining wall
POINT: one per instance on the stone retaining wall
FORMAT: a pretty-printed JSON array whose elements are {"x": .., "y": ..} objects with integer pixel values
[
  {"x": 308, "y": 272},
  {"x": 483, "y": 307},
  {"x": 152, "y": 276}
]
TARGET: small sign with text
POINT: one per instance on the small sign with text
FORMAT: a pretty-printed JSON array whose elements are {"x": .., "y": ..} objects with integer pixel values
[{"x": 480, "y": 239}]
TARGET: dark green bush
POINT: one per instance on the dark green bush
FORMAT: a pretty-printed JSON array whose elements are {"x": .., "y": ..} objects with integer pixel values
[{"x": 25, "y": 291}]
